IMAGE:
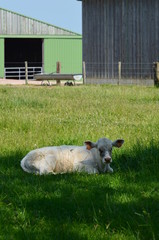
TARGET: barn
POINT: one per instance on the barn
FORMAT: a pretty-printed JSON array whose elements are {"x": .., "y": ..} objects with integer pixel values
[
  {"x": 120, "y": 40},
  {"x": 41, "y": 44}
]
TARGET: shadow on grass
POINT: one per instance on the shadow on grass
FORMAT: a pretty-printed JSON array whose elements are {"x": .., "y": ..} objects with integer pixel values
[
  {"x": 139, "y": 159},
  {"x": 81, "y": 206}
]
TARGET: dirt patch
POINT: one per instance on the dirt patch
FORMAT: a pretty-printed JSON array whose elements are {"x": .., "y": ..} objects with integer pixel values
[{"x": 32, "y": 82}]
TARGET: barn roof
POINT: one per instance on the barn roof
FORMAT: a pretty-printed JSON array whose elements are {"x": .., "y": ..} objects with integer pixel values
[{"x": 12, "y": 23}]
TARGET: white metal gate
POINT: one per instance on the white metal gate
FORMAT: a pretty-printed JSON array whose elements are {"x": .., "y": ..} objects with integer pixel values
[{"x": 19, "y": 72}]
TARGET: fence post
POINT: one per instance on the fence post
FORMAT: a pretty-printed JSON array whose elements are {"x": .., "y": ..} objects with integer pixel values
[
  {"x": 84, "y": 73},
  {"x": 157, "y": 71},
  {"x": 26, "y": 72},
  {"x": 19, "y": 73},
  {"x": 58, "y": 70},
  {"x": 119, "y": 72}
]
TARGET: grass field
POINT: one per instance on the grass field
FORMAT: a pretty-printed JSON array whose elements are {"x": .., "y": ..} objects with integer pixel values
[{"x": 122, "y": 205}]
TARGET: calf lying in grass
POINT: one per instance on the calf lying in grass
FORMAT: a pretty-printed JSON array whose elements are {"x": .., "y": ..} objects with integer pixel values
[{"x": 91, "y": 158}]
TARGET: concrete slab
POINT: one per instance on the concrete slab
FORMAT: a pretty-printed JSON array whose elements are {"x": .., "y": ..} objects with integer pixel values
[{"x": 17, "y": 82}]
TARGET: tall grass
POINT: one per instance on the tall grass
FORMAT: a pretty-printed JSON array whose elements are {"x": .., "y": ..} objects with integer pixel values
[{"x": 123, "y": 205}]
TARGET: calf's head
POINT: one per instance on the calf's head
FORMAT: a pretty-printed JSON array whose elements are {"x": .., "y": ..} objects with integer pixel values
[{"x": 104, "y": 147}]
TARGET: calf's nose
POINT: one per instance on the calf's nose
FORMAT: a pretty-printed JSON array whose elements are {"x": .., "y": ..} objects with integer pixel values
[{"x": 107, "y": 159}]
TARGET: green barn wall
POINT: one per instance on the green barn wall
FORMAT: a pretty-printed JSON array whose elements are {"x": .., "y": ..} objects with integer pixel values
[
  {"x": 1, "y": 58},
  {"x": 68, "y": 51}
]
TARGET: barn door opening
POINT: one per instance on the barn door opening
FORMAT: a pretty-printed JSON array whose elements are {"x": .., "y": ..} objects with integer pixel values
[{"x": 19, "y": 50}]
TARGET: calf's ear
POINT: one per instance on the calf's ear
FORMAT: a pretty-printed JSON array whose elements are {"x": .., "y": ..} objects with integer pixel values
[
  {"x": 90, "y": 145},
  {"x": 118, "y": 143}
]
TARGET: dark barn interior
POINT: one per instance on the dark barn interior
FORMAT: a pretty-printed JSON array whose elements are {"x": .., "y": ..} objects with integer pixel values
[{"x": 19, "y": 50}]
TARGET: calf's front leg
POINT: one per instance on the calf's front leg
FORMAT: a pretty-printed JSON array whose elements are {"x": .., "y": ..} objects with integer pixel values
[{"x": 108, "y": 168}]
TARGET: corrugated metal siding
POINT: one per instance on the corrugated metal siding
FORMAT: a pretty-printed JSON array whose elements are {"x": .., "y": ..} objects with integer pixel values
[
  {"x": 120, "y": 30},
  {"x": 1, "y": 58},
  {"x": 13, "y": 23},
  {"x": 67, "y": 51}
]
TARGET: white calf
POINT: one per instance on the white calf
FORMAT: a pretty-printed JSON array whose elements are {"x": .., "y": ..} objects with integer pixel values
[{"x": 91, "y": 158}]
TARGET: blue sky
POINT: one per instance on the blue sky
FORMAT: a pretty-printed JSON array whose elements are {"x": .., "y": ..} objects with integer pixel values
[{"x": 62, "y": 13}]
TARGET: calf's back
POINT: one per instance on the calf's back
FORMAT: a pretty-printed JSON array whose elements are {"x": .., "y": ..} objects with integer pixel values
[{"x": 55, "y": 160}]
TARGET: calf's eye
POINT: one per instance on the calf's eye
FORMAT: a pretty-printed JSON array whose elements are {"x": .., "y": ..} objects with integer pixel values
[{"x": 101, "y": 151}]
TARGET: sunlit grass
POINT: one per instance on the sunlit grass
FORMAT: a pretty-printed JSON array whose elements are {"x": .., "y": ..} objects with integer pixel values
[{"x": 123, "y": 205}]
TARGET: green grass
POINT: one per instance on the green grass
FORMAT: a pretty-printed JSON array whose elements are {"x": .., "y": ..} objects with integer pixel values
[{"x": 118, "y": 206}]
